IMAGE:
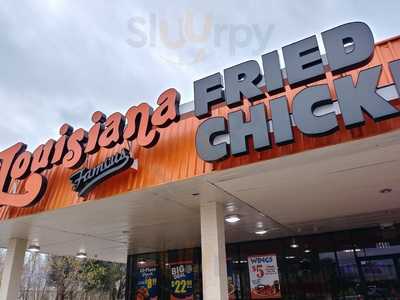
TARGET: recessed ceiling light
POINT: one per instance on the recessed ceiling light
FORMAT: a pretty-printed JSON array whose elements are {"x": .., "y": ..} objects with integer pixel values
[
  {"x": 294, "y": 244},
  {"x": 385, "y": 190},
  {"x": 382, "y": 245},
  {"x": 386, "y": 225},
  {"x": 290, "y": 257},
  {"x": 81, "y": 254},
  {"x": 232, "y": 218},
  {"x": 34, "y": 248},
  {"x": 260, "y": 225},
  {"x": 351, "y": 250},
  {"x": 141, "y": 262},
  {"x": 261, "y": 232},
  {"x": 230, "y": 207},
  {"x": 307, "y": 251}
]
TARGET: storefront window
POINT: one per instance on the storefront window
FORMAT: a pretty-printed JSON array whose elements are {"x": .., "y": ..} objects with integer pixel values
[
  {"x": 166, "y": 275},
  {"x": 349, "y": 265}
]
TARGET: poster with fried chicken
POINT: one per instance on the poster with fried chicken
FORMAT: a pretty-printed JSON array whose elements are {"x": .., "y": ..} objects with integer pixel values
[{"x": 264, "y": 277}]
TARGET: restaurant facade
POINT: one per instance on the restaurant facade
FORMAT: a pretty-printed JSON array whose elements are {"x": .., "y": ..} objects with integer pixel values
[{"x": 278, "y": 181}]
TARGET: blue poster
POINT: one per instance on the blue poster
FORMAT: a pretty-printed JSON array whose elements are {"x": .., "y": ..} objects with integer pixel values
[
  {"x": 147, "y": 283},
  {"x": 231, "y": 281}
]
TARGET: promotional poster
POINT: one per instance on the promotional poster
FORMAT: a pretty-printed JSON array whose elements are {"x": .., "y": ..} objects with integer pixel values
[
  {"x": 147, "y": 283},
  {"x": 233, "y": 281},
  {"x": 264, "y": 277},
  {"x": 182, "y": 281}
]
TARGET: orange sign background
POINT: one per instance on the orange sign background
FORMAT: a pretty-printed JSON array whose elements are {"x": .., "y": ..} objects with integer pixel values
[{"x": 174, "y": 156}]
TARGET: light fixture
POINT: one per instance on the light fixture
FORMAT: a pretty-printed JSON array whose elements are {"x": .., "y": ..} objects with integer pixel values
[
  {"x": 307, "y": 251},
  {"x": 294, "y": 244},
  {"x": 141, "y": 262},
  {"x": 382, "y": 245},
  {"x": 232, "y": 218},
  {"x": 230, "y": 207},
  {"x": 260, "y": 225},
  {"x": 290, "y": 257},
  {"x": 386, "y": 225},
  {"x": 260, "y": 231},
  {"x": 81, "y": 254},
  {"x": 385, "y": 190},
  {"x": 34, "y": 248},
  {"x": 351, "y": 250}
]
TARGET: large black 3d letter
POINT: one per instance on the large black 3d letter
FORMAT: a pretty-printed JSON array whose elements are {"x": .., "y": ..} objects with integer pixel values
[
  {"x": 205, "y": 135},
  {"x": 241, "y": 81},
  {"x": 257, "y": 127},
  {"x": 304, "y": 105},
  {"x": 348, "y": 46},
  {"x": 303, "y": 61},
  {"x": 272, "y": 72},
  {"x": 353, "y": 100},
  {"x": 207, "y": 91},
  {"x": 281, "y": 124},
  {"x": 395, "y": 70}
]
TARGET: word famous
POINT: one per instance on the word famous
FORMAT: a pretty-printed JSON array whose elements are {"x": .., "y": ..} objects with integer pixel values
[
  {"x": 139, "y": 123},
  {"x": 86, "y": 179},
  {"x": 347, "y": 47}
]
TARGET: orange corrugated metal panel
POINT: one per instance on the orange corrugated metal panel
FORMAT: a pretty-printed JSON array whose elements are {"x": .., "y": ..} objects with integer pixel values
[{"x": 174, "y": 157}]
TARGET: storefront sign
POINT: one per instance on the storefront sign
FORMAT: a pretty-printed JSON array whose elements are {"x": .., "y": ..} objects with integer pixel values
[
  {"x": 139, "y": 124},
  {"x": 347, "y": 47},
  {"x": 182, "y": 281},
  {"x": 86, "y": 179},
  {"x": 264, "y": 277},
  {"x": 147, "y": 283}
]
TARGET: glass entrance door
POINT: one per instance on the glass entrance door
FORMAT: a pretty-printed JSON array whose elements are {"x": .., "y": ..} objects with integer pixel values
[{"x": 381, "y": 276}]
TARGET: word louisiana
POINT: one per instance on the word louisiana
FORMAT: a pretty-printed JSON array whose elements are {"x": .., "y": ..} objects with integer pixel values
[{"x": 139, "y": 123}]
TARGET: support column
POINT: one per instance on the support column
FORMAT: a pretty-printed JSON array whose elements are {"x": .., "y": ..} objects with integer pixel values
[
  {"x": 213, "y": 252},
  {"x": 12, "y": 272}
]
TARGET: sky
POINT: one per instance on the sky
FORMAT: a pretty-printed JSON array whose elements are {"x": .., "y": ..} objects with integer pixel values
[{"x": 61, "y": 60}]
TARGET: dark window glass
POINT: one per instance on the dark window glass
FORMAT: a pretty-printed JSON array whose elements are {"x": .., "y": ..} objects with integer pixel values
[{"x": 350, "y": 265}]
